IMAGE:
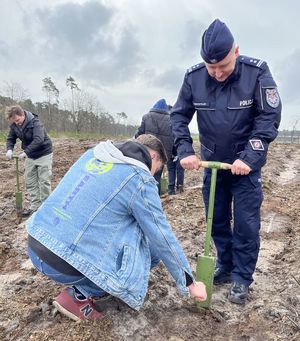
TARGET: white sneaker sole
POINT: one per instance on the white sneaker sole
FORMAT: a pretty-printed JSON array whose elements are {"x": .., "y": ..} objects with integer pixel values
[{"x": 65, "y": 312}]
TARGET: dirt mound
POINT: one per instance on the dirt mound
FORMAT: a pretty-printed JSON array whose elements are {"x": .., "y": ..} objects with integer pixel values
[{"x": 273, "y": 309}]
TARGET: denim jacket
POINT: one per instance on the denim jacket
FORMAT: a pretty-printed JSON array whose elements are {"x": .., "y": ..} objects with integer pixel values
[{"x": 106, "y": 220}]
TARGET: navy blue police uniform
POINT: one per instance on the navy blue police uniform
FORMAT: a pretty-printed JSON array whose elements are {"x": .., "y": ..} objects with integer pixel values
[{"x": 237, "y": 119}]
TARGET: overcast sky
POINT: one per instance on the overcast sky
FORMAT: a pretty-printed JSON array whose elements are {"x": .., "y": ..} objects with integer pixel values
[{"x": 130, "y": 53}]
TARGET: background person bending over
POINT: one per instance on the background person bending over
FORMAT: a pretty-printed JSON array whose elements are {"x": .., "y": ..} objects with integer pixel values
[
  {"x": 37, "y": 152},
  {"x": 103, "y": 228},
  {"x": 238, "y": 113}
]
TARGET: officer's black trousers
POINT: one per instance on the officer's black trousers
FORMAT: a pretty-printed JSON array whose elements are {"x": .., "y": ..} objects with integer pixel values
[{"x": 236, "y": 221}]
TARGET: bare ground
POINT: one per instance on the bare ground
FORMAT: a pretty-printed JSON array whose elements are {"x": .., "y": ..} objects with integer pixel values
[{"x": 271, "y": 313}]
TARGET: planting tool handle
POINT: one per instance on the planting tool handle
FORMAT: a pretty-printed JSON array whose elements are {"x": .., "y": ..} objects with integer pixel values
[
  {"x": 215, "y": 165},
  {"x": 17, "y": 172},
  {"x": 210, "y": 213}
]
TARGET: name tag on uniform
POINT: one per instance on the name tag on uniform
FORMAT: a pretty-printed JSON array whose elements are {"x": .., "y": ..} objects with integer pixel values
[
  {"x": 202, "y": 104},
  {"x": 257, "y": 145}
]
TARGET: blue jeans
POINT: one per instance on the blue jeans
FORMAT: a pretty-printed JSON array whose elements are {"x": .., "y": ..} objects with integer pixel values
[
  {"x": 81, "y": 283},
  {"x": 175, "y": 171}
]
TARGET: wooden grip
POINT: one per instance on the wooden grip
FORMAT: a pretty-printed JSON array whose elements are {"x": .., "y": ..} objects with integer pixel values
[{"x": 215, "y": 164}]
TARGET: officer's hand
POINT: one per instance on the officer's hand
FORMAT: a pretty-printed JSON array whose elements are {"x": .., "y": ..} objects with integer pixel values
[
  {"x": 240, "y": 168},
  {"x": 190, "y": 162},
  {"x": 9, "y": 154},
  {"x": 198, "y": 290},
  {"x": 22, "y": 156}
]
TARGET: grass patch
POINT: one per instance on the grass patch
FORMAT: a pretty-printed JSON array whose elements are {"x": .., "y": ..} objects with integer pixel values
[
  {"x": 3, "y": 136},
  {"x": 85, "y": 136}
]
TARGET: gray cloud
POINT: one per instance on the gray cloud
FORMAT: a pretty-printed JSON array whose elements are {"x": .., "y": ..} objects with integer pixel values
[
  {"x": 121, "y": 64},
  {"x": 87, "y": 39},
  {"x": 74, "y": 29},
  {"x": 288, "y": 76},
  {"x": 191, "y": 43},
  {"x": 170, "y": 79},
  {"x": 4, "y": 53}
]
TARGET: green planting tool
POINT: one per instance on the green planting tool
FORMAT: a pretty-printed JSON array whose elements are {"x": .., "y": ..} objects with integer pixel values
[
  {"x": 164, "y": 182},
  {"x": 19, "y": 194},
  {"x": 206, "y": 263}
]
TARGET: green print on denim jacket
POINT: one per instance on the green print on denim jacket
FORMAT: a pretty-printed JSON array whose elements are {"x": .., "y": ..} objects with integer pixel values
[{"x": 96, "y": 166}]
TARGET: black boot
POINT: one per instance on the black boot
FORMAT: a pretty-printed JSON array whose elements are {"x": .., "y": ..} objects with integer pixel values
[
  {"x": 238, "y": 293},
  {"x": 27, "y": 213},
  {"x": 221, "y": 276},
  {"x": 171, "y": 190},
  {"x": 180, "y": 188}
]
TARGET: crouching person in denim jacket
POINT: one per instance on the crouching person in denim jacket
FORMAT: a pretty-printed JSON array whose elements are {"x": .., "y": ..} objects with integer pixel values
[{"x": 103, "y": 228}]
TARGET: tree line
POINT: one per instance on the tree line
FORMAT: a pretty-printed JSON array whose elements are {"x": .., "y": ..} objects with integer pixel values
[{"x": 81, "y": 113}]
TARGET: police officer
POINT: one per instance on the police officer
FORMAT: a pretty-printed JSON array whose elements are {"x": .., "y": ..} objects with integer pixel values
[{"x": 238, "y": 113}]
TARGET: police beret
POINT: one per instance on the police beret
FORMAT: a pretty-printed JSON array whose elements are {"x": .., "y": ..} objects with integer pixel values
[{"x": 217, "y": 42}]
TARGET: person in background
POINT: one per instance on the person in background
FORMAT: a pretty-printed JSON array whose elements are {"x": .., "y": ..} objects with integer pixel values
[
  {"x": 157, "y": 123},
  {"x": 103, "y": 228},
  {"x": 175, "y": 174},
  {"x": 238, "y": 113},
  {"x": 37, "y": 152}
]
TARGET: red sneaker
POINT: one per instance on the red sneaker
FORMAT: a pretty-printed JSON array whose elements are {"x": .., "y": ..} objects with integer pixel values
[{"x": 68, "y": 304}]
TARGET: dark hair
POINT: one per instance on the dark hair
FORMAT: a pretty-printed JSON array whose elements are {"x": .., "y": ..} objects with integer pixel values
[{"x": 153, "y": 143}]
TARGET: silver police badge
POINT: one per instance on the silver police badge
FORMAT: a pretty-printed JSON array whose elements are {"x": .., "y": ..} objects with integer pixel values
[{"x": 272, "y": 97}]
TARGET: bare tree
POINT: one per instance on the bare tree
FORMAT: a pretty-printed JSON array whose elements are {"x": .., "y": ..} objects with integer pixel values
[
  {"x": 70, "y": 82},
  {"x": 15, "y": 91}
]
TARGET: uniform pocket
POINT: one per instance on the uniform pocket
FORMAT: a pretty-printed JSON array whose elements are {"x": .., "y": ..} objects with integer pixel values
[
  {"x": 207, "y": 149},
  {"x": 255, "y": 179}
]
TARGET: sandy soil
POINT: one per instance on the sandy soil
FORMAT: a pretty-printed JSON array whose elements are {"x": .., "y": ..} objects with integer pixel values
[{"x": 271, "y": 313}]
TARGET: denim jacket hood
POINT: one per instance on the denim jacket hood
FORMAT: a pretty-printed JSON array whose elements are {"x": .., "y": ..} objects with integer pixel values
[{"x": 108, "y": 152}]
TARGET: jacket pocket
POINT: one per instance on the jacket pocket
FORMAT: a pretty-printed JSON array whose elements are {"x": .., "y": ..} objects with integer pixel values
[
  {"x": 122, "y": 261},
  {"x": 207, "y": 148},
  {"x": 240, "y": 100},
  {"x": 239, "y": 148}
]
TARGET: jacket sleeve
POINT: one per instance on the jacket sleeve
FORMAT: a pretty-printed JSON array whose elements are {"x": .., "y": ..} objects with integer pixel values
[
  {"x": 141, "y": 129},
  {"x": 38, "y": 135},
  {"x": 148, "y": 212},
  {"x": 11, "y": 139},
  {"x": 266, "y": 122},
  {"x": 181, "y": 115}
]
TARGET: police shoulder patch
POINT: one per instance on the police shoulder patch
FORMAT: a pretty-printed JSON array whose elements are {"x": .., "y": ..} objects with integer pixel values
[
  {"x": 257, "y": 145},
  {"x": 252, "y": 61},
  {"x": 272, "y": 97},
  {"x": 195, "y": 67}
]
